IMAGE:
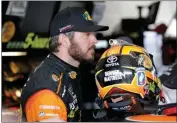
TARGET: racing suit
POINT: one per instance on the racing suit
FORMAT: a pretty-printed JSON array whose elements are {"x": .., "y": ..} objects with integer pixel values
[{"x": 53, "y": 89}]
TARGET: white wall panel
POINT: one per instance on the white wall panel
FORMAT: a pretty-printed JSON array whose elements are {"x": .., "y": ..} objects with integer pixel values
[{"x": 116, "y": 10}]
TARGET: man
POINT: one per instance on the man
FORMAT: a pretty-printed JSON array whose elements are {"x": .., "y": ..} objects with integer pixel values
[{"x": 52, "y": 92}]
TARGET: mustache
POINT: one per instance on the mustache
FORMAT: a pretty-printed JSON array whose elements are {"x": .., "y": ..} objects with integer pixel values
[{"x": 92, "y": 47}]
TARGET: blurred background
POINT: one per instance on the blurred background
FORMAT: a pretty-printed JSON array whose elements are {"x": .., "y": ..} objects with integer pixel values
[{"x": 25, "y": 36}]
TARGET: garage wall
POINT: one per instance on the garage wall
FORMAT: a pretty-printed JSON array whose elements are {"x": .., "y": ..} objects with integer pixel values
[{"x": 116, "y": 10}]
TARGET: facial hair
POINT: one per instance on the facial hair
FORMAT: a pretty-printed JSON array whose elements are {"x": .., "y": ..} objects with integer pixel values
[{"x": 76, "y": 53}]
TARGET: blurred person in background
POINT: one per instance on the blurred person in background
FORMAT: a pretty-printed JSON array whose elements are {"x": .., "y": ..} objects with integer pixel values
[{"x": 52, "y": 92}]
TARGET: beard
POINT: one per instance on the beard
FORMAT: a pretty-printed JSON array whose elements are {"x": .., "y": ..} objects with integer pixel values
[{"x": 76, "y": 53}]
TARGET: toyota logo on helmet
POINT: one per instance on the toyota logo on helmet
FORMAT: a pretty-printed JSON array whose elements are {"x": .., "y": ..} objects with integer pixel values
[{"x": 112, "y": 59}]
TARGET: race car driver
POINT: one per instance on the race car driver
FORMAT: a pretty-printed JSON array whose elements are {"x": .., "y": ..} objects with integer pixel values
[{"x": 52, "y": 91}]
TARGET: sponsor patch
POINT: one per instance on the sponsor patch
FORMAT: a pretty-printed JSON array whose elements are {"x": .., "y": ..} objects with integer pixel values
[
  {"x": 55, "y": 77},
  {"x": 50, "y": 114},
  {"x": 123, "y": 108},
  {"x": 113, "y": 75},
  {"x": 49, "y": 107},
  {"x": 86, "y": 16},
  {"x": 118, "y": 99},
  {"x": 72, "y": 74},
  {"x": 141, "y": 78},
  {"x": 41, "y": 114},
  {"x": 68, "y": 27},
  {"x": 112, "y": 61},
  {"x": 145, "y": 61},
  {"x": 72, "y": 112},
  {"x": 141, "y": 60}
]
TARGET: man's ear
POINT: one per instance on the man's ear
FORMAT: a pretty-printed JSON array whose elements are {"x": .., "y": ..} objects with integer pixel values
[{"x": 64, "y": 40}]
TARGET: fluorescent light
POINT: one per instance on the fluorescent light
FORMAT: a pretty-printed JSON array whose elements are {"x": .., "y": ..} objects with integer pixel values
[
  {"x": 102, "y": 44},
  {"x": 171, "y": 31},
  {"x": 14, "y": 53}
]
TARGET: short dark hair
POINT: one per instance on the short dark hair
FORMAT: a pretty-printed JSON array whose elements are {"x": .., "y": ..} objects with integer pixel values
[{"x": 53, "y": 43}]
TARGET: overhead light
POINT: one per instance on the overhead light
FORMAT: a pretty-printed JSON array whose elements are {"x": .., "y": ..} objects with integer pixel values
[{"x": 14, "y": 53}]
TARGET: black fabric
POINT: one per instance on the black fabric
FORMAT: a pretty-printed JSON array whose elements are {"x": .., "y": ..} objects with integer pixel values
[
  {"x": 113, "y": 116},
  {"x": 169, "y": 78},
  {"x": 41, "y": 78},
  {"x": 72, "y": 19}
]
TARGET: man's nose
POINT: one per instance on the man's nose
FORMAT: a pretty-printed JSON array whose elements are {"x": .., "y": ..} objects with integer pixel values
[{"x": 94, "y": 40}]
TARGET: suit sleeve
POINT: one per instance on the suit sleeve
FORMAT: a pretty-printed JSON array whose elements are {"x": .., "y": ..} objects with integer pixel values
[{"x": 43, "y": 105}]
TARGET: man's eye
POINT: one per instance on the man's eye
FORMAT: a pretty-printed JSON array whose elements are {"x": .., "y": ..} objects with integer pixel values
[
  {"x": 88, "y": 34},
  {"x": 91, "y": 33},
  {"x": 94, "y": 33}
]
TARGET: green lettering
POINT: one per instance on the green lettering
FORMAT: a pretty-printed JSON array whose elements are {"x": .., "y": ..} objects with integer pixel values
[
  {"x": 13, "y": 45},
  {"x": 35, "y": 41},
  {"x": 21, "y": 45},
  {"x": 46, "y": 43},
  {"x": 28, "y": 40},
  {"x": 9, "y": 45},
  {"x": 41, "y": 41},
  {"x": 17, "y": 45}
]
